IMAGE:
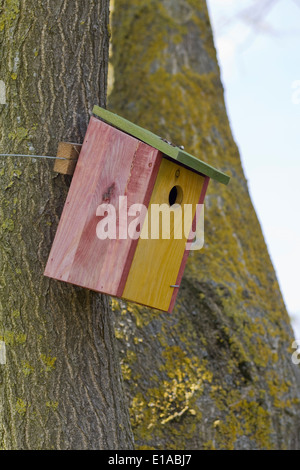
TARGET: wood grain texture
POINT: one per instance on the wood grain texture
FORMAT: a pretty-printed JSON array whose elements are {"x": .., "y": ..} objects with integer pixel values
[
  {"x": 157, "y": 142},
  {"x": 156, "y": 262},
  {"x": 70, "y": 152},
  {"x": 111, "y": 164}
]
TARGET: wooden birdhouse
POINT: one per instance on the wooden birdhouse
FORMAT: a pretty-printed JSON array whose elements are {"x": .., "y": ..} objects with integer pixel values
[{"x": 103, "y": 241}]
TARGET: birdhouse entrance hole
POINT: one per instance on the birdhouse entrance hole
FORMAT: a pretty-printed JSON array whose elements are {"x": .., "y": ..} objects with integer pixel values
[{"x": 175, "y": 195}]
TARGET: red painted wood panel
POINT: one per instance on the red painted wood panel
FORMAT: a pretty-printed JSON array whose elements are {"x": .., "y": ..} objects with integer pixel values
[
  {"x": 111, "y": 164},
  {"x": 79, "y": 197},
  {"x": 99, "y": 264},
  {"x": 186, "y": 253}
]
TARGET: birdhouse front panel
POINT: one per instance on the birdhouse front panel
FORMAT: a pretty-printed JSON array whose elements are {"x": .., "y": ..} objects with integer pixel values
[
  {"x": 153, "y": 276},
  {"x": 112, "y": 236}
]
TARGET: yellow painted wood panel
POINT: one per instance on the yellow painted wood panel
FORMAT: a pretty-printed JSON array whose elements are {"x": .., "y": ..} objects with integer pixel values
[{"x": 156, "y": 262}]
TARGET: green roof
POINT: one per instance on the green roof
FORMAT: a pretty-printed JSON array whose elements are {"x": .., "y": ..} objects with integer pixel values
[{"x": 175, "y": 153}]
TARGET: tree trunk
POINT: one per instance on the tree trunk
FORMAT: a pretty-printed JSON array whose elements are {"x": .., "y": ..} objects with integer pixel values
[
  {"x": 61, "y": 386},
  {"x": 217, "y": 373}
]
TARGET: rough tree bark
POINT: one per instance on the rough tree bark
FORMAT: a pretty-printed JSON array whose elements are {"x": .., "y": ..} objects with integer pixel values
[
  {"x": 222, "y": 375},
  {"x": 61, "y": 387}
]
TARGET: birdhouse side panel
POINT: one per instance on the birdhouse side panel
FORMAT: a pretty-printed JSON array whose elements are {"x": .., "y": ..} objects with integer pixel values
[
  {"x": 74, "y": 215},
  {"x": 102, "y": 265},
  {"x": 111, "y": 164},
  {"x": 96, "y": 264},
  {"x": 157, "y": 261}
]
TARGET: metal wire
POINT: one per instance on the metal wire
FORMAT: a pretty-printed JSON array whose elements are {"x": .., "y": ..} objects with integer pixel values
[{"x": 32, "y": 156}]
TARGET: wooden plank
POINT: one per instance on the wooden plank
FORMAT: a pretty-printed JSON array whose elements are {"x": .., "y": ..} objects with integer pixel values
[
  {"x": 156, "y": 262},
  {"x": 76, "y": 207},
  {"x": 186, "y": 253},
  {"x": 111, "y": 164},
  {"x": 155, "y": 141},
  {"x": 100, "y": 264},
  {"x": 70, "y": 152}
]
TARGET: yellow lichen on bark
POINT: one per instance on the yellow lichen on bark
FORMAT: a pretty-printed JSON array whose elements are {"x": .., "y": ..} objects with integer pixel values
[{"x": 230, "y": 318}]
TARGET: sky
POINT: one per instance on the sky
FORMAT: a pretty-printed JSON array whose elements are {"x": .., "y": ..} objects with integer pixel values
[{"x": 258, "y": 51}]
